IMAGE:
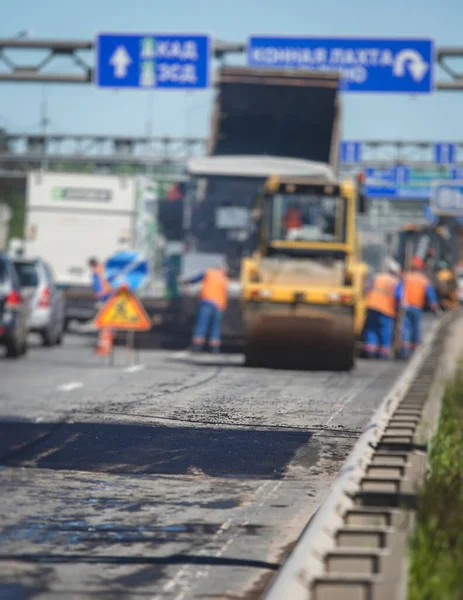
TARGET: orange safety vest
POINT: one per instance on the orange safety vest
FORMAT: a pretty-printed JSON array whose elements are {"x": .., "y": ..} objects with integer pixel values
[
  {"x": 214, "y": 288},
  {"x": 105, "y": 287},
  {"x": 415, "y": 285},
  {"x": 293, "y": 219},
  {"x": 381, "y": 297}
]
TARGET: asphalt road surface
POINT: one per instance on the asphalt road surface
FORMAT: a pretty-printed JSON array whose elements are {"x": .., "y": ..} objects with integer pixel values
[{"x": 172, "y": 478}]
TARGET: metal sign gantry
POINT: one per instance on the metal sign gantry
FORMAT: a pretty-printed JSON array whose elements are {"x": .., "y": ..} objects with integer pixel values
[
  {"x": 20, "y": 153},
  {"x": 414, "y": 153},
  {"x": 21, "y": 150},
  {"x": 80, "y": 69},
  {"x": 116, "y": 148}
]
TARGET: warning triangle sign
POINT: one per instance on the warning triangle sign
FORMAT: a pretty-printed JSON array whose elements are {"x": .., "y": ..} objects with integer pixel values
[{"x": 123, "y": 311}]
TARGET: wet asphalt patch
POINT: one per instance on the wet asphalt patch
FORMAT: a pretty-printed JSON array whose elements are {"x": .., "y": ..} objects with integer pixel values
[{"x": 153, "y": 449}]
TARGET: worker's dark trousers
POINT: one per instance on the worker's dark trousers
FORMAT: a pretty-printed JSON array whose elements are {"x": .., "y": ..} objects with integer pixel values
[
  {"x": 208, "y": 315},
  {"x": 411, "y": 334},
  {"x": 379, "y": 331}
]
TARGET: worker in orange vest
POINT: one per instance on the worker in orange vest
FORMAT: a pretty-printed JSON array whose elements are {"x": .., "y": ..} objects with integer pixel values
[
  {"x": 384, "y": 298},
  {"x": 418, "y": 292},
  {"x": 213, "y": 302},
  {"x": 100, "y": 285},
  {"x": 102, "y": 291}
]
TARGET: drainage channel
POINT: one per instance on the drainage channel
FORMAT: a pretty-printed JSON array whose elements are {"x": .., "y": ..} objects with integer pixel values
[{"x": 369, "y": 557}]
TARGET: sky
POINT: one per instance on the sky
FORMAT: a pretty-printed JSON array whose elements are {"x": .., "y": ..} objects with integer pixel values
[{"x": 85, "y": 109}]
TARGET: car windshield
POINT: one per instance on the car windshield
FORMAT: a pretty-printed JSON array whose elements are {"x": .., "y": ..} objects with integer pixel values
[
  {"x": 308, "y": 217},
  {"x": 27, "y": 273}
]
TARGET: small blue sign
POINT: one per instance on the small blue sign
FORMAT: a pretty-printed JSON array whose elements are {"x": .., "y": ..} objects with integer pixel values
[
  {"x": 447, "y": 198},
  {"x": 152, "y": 61},
  {"x": 366, "y": 64},
  {"x": 127, "y": 267},
  {"x": 351, "y": 152},
  {"x": 445, "y": 154},
  {"x": 380, "y": 183}
]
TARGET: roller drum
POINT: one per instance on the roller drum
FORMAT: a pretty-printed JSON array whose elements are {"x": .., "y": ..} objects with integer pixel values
[{"x": 301, "y": 342}]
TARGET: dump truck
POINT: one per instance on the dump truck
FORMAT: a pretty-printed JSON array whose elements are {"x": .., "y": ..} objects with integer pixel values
[
  {"x": 436, "y": 246},
  {"x": 264, "y": 121},
  {"x": 303, "y": 289}
]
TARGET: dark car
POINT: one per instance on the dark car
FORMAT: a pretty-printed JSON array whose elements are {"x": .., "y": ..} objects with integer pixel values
[{"x": 14, "y": 310}]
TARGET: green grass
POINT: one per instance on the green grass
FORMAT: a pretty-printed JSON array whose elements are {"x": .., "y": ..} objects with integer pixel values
[
  {"x": 12, "y": 193},
  {"x": 436, "y": 559}
]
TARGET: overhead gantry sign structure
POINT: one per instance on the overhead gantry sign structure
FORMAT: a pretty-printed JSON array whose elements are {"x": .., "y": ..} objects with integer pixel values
[{"x": 47, "y": 65}]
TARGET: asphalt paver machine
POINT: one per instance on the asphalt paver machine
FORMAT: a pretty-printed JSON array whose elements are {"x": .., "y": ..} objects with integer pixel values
[{"x": 436, "y": 246}]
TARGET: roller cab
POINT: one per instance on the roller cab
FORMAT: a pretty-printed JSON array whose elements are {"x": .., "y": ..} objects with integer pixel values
[{"x": 303, "y": 303}]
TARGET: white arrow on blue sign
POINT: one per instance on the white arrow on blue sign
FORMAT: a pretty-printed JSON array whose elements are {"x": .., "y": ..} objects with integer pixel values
[
  {"x": 351, "y": 152},
  {"x": 445, "y": 154},
  {"x": 152, "y": 61},
  {"x": 447, "y": 198},
  {"x": 366, "y": 64}
]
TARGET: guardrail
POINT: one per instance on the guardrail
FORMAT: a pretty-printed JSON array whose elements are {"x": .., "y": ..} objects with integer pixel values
[{"x": 354, "y": 547}]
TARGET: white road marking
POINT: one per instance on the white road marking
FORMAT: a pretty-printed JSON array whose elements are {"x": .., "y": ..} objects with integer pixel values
[
  {"x": 84, "y": 327},
  {"x": 347, "y": 399},
  {"x": 340, "y": 407},
  {"x": 181, "y": 354},
  {"x": 182, "y": 577},
  {"x": 68, "y": 387},
  {"x": 134, "y": 368}
]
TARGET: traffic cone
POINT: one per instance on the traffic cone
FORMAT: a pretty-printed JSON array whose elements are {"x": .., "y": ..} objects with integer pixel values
[{"x": 104, "y": 345}]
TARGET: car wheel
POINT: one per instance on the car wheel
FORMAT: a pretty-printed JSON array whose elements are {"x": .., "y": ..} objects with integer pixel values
[
  {"x": 47, "y": 338},
  {"x": 59, "y": 339},
  {"x": 13, "y": 349}
]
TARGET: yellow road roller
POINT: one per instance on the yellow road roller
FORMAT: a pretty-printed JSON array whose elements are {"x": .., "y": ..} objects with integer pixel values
[{"x": 303, "y": 289}]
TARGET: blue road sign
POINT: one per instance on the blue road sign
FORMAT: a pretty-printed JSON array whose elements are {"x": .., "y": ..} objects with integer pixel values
[
  {"x": 447, "y": 198},
  {"x": 351, "y": 152},
  {"x": 127, "y": 267},
  {"x": 405, "y": 183},
  {"x": 380, "y": 183},
  {"x": 152, "y": 61},
  {"x": 366, "y": 64},
  {"x": 445, "y": 154}
]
